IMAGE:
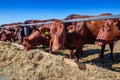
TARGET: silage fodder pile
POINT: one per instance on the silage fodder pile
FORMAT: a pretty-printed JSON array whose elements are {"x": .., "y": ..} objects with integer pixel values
[{"x": 16, "y": 64}]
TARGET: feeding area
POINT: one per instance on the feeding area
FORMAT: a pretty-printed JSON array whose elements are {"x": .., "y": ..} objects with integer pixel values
[{"x": 62, "y": 50}]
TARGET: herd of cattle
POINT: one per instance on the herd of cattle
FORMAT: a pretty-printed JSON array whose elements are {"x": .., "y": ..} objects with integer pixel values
[{"x": 70, "y": 35}]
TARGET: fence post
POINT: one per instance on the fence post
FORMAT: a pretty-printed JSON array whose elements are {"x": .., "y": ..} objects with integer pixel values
[{"x": 26, "y": 30}]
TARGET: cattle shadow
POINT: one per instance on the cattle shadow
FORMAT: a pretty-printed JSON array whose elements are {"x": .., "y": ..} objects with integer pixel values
[
  {"x": 66, "y": 53},
  {"x": 105, "y": 62},
  {"x": 89, "y": 52}
]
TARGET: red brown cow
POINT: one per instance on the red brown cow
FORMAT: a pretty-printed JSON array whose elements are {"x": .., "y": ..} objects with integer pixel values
[
  {"x": 38, "y": 36},
  {"x": 7, "y": 35},
  {"x": 109, "y": 32},
  {"x": 85, "y": 33},
  {"x": 15, "y": 31},
  {"x": 76, "y": 16},
  {"x": 63, "y": 37},
  {"x": 32, "y": 27}
]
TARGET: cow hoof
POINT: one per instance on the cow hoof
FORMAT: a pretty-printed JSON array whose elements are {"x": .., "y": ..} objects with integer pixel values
[
  {"x": 101, "y": 56},
  {"x": 76, "y": 60}
]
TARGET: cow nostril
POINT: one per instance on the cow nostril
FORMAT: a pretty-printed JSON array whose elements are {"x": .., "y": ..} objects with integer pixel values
[{"x": 59, "y": 48}]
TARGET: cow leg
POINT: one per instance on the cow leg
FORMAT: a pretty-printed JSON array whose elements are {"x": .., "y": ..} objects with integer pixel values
[
  {"x": 43, "y": 45},
  {"x": 111, "y": 46},
  {"x": 50, "y": 46},
  {"x": 71, "y": 54},
  {"x": 102, "y": 51},
  {"x": 77, "y": 54}
]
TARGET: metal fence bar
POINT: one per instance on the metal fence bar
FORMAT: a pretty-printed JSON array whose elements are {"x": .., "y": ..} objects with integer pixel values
[
  {"x": 72, "y": 20},
  {"x": 79, "y": 20},
  {"x": 37, "y": 23},
  {"x": 93, "y": 18},
  {"x": 6, "y": 26}
]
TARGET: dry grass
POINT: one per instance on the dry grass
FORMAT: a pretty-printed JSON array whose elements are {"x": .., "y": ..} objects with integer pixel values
[{"x": 16, "y": 64}]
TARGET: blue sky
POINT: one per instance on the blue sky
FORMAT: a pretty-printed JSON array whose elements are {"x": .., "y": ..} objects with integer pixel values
[{"x": 21, "y": 10}]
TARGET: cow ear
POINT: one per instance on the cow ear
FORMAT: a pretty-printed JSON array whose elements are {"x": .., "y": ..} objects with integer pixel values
[
  {"x": 61, "y": 25},
  {"x": 116, "y": 22}
]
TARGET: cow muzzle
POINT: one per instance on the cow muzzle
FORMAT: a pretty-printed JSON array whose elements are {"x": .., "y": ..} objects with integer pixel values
[
  {"x": 99, "y": 42},
  {"x": 57, "y": 48}
]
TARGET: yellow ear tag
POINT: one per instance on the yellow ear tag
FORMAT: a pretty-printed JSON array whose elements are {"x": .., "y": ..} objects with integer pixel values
[
  {"x": 47, "y": 33},
  {"x": 70, "y": 31}
]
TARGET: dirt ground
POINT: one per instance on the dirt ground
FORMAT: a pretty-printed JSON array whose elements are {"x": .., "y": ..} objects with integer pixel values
[{"x": 16, "y": 64}]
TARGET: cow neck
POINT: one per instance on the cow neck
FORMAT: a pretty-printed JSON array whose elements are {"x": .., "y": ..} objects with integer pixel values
[
  {"x": 119, "y": 24},
  {"x": 38, "y": 30}
]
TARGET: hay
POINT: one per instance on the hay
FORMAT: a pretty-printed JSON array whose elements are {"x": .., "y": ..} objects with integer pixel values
[{"x": 16, "y": 64}]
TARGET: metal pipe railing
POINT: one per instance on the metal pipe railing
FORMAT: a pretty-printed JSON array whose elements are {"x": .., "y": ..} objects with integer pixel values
[{"x": 72, "y": 20}]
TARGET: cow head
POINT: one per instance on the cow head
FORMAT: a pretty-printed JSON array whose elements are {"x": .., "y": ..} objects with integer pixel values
[
  {"x": 58, "y": 36},
  {"x": 26, "y": 44},
  {"x": 109, "y": 32}
]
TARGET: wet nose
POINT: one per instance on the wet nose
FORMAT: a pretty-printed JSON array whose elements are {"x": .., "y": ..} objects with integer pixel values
[{"x": 55, "y": 48}]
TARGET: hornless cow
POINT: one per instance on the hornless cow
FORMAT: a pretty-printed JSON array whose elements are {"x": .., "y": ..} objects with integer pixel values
[
  {"x": 109, "y": 32},
  {"x": 7, "y": 35},
  {"x": 16, "y": 32},
  {"x": 80, "y": 34},
  {"x": 40, "y": 35}
]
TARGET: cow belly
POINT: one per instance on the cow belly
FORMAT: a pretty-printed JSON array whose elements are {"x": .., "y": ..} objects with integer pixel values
[
  {"x": 74, "y": 41},
  {"x": 74, "y": 45},
  {"x": 71, "y": 46}
]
